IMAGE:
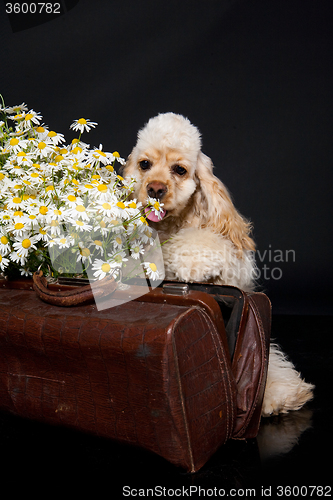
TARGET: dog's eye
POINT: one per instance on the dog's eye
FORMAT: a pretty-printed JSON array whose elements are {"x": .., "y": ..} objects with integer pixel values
[
  {"x": 145, "y": 164},
  {"x": 179, "y": 170}
]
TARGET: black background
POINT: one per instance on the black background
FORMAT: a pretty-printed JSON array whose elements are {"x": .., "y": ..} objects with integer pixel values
[{"x": 254, "y": 76}]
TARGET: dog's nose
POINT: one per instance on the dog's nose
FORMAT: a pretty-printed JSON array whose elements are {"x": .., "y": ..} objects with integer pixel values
[{"x": 156, "y": 189}]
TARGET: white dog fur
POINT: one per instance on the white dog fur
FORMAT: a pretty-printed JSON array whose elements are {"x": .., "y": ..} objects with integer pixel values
[{"x": 206, "y": 239}]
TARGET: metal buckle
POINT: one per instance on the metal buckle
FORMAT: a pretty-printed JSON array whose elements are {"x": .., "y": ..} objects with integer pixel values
[{"x": 176, "y": 288}]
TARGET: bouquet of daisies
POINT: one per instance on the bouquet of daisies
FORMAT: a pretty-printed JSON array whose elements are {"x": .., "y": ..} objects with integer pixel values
[{"x": 64, "y": 209}]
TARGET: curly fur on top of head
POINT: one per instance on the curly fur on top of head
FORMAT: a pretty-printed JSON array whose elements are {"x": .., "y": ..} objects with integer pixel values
[{"x": 195, "y": 197}]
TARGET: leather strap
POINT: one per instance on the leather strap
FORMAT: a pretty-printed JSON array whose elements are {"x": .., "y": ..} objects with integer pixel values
[{"x": 75, "y": 296}]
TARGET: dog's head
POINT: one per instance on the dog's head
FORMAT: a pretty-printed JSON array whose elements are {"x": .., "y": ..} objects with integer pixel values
[
  {"x": 169, "y": 165},
  {"x": 164, "y": 162}
]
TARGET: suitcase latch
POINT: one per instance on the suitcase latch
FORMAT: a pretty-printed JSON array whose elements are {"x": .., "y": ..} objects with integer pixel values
[{"x": 176, "y": 288}]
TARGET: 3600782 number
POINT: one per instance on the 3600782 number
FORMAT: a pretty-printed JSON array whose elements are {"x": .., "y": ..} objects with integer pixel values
[
  {"x": 304, "y": 491},
  {"x": 33, "y": 8}
]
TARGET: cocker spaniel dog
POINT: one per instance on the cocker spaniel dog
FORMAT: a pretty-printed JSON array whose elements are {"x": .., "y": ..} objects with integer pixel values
[{"x": 205, "y": 238}]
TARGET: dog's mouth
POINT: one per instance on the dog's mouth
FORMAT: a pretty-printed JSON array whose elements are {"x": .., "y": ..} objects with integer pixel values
[{"x": 153, "y": 216}]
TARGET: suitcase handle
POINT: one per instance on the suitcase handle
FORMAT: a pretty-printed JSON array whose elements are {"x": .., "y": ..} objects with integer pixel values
[{"x": 75, "y": 296}]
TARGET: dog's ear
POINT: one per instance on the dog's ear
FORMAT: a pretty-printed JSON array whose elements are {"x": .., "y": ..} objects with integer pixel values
[{"x": 215, "y": 209}]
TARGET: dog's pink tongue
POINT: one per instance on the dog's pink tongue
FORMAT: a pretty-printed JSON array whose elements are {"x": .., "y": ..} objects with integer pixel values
[{"x": 151, "y": 215}]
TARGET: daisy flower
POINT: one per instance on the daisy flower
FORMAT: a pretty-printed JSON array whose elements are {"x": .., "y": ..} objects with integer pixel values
[
  {"x": 102, "y": 268},
  {"x": 26, "y": 272},
  {"x": 97, "y": 155},
  {"x": 42, "y": 235},
  {"x": 72, "y": 200},
  {"x": 18, "y": 258},
  {"x": 80, "y": 225},
  {"x": 65, "y": 242},
  {"x": 155, "y": 207},
  {"x": 30, "y": 119},
  {"x": 82, "y": 125},
  {"x": 25, "y": 244},
  {"x": 23, "y": 160},
  {"x": 78, "y": 211},
  {"x": 3, "y": 262},
  {"x": 84, "y": 254},
  {"x": 44, "y": 148},
  {"x": 4, "y": 244},
  {"x": 137, "y": 250},
  {"x": 15, "y": 202},
  {"x": 55, "y": 138},
  {"x": 16, "y": 109},
  {"x": 151, "y": 270},
  {"x": 15, "y": 145},
  {"x": 119, "y": 258}
]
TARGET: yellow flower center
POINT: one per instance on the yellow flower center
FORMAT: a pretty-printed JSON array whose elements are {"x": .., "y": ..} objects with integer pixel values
[
  {"x": 63, "y": 240},
  {"x": 106, "y": 206},
  {"x": 98, "y": 243},
  {"x": 2, "y": 176},
  {"x": 132, "y": 205},
  {"x": 99, "y": 152},
  {"x": 19, "y": 225},
  {"x": 120, "y": 204},
  {"x": 88, "y": 186},
  {"x": 14, "y": 142},
  {"x": 153, "y": 267},
  {"x": 26, "y": 243},
  {"x": 80, "y": 208},
  {"x": 79, "y": 223},
  {"x": 102, "y": 188},
  {"x": 82, "y": 121},
  {"x": 118, "y": 240},
  {"x": 77, "y": 150},
  {"x": 4, "y": 240},
  {"x": 42, "y": 231},
  {"x": 41, "y": 145},
  {"x": 17, "y": 200},
  {"x": 71, "y": 197},
  {"x": 40, "y": 130},
  {"x": 52, "y": 134},
  {"x": 58, "y": 158},
  {"x": 34, "y": 175},
  {"x": 143, "y": 220},
  {"x": 49, "y": 188},
  {"x": 20, "y": 154},
  {"x": 105, "y": 268},
  {"x": 85, "y": 252},
  {"x": 116, "y": 154},
  {"x": 28, "y": 117},
  {"x": 32, "y": 217},
  {"x": 43, "y": 210},
  {"x": 57, "y": 212},
  {"x": 18, "y": 213}
]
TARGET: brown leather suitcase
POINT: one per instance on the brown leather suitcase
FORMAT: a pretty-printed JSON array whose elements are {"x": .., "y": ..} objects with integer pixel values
[{"x": 177, "y": 371}]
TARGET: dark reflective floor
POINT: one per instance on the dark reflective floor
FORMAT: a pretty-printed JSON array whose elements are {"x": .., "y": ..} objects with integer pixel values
[{"x": 291, "y": 450}]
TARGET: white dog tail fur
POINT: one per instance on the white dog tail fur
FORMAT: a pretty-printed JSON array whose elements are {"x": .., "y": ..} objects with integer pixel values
[{"x": 285, "y": 389}]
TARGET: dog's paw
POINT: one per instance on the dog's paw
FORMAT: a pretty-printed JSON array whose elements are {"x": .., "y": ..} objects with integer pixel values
[{"x": 199, "y": 255}]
